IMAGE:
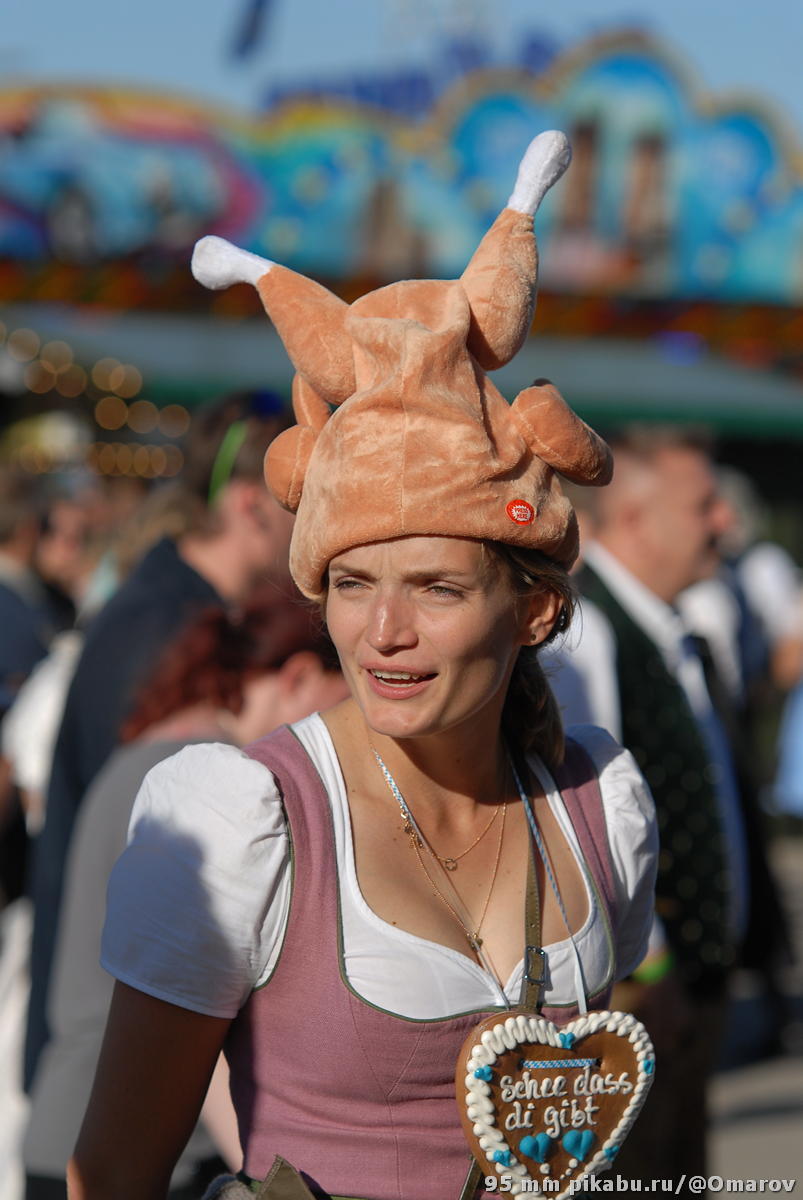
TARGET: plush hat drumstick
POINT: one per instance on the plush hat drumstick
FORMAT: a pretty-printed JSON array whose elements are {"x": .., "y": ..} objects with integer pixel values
[{"x": 420, "y": 441}]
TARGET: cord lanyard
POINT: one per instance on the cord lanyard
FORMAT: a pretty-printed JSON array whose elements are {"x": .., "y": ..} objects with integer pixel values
[{"x": 579, "y": 981}]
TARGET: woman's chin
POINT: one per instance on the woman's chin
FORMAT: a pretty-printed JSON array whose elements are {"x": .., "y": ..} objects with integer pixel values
[{"x": 390, "y": 718}]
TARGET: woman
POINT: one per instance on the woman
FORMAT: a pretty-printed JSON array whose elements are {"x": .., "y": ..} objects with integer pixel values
[
  {"x": 225, "y": 679},
  {"x": 344, "y": 969}
]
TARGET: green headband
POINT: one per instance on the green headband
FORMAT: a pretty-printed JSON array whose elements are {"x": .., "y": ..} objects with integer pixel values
[{"x": 225, "y": 458}]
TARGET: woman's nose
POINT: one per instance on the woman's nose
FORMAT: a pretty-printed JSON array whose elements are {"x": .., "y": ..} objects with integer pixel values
[{"x": 390, "y": 625}]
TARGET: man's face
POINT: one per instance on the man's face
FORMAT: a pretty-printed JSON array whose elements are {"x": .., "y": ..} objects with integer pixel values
[
  {"x": 682, "y": 520},
  {"x": 273, "y": 527}
]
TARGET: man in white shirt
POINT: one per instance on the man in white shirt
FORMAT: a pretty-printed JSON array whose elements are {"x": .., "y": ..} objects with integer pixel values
[{"x": 639, "y": 673}]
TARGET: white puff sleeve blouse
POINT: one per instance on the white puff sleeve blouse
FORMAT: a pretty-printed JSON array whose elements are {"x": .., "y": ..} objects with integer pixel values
[{"x": 198, "y": 902}]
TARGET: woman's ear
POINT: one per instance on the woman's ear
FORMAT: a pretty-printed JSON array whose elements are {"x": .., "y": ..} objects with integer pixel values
[
  {"x": 544, "y": 609},
  {"x": 299, "y": 670},
  {"x": 305, "y": 686}
]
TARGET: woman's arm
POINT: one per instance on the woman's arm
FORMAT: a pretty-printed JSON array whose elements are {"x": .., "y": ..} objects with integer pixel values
[
  {"x": 219, "y": 1118},
  {"x": 154, "y": 1069}
]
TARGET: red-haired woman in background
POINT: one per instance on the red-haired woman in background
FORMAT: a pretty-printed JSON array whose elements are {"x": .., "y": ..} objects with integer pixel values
[{"x": 225, "y": 680}]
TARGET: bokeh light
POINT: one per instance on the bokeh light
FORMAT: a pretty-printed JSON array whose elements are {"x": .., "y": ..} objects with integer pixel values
[
  {"x": 57, "y": 356},
  {"x": 125, "y": 380},
  {"x": 174, "y": 420},
  {"x": 142, "y": 461},
  {"x": 158, "y": 460},
  {"x": 71, "y": 381},
  {"x": 143, "y": 416},
  {"x": 111, "y": 412},
  {"x": 38, "y": 378},
  {"x": 174, "y": 460},
  {"x": 124, "y": 456},
  {"x": 102, "y": 373},
  {"x": 23, "y": 344}
]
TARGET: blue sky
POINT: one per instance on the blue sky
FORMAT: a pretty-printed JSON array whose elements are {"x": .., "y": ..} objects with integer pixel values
[{"x": 182, "y": 45}]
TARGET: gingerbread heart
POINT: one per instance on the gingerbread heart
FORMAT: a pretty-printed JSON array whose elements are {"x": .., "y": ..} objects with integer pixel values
[{"x": 543, "y": 1107}]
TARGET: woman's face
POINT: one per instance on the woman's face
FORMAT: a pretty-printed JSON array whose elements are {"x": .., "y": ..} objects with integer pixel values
[{"x": 428, "y": 630}]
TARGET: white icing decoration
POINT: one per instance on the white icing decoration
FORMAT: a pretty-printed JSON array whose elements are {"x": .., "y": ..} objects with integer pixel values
[
  {"x": 510, "y": 1034},
  {"x": 506, "y": 1036}
]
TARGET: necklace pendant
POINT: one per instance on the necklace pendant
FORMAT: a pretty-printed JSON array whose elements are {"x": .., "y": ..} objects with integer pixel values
[
  {"x": 415, "y": 840},
  {"x": 474, "y": 941},
  {"x": 449, "y": 863}
]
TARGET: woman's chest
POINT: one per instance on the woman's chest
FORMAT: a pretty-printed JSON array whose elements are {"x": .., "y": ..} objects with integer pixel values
[{"x": 469, "y": 898}]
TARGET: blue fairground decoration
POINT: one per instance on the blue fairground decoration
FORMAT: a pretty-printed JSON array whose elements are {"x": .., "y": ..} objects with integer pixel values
[
  {"x": 484, "y": 1073},
  {"x": 611, "y": 1151},
  {"x": 502, "y": 1157},
  {"x": 567, "y": 1040},
  {"x": 649, "y": 1066}
]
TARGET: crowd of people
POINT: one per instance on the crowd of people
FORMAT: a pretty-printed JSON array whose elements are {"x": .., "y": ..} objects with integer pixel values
[{"x": 133, "y": 638}]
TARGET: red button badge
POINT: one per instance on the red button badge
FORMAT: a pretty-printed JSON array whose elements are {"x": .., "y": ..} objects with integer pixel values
[{"x": 521, "y": 511}]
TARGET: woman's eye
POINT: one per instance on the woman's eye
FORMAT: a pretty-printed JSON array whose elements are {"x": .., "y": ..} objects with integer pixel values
[
  {"x": 441, "y": 589},
  {"x": 346, "y": 585}
]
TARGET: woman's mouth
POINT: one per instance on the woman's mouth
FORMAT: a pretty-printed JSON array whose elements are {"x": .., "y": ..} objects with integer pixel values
[{"x": 399, "y": 682}]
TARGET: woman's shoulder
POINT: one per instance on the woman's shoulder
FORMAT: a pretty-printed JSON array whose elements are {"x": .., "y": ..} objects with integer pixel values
[
  {"x": 621, "y": 783},
  {"x": 199, "y": 898},
  {"x": 216, "y": 789},
  {"x": 213, "y": 791}
]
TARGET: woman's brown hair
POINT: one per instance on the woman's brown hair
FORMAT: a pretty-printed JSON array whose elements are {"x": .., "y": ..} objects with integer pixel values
[{"x": 531, "y": 718}]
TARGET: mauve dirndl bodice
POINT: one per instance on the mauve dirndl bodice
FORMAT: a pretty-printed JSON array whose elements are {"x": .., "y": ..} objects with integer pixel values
[{"x": 361, "y": 1101}]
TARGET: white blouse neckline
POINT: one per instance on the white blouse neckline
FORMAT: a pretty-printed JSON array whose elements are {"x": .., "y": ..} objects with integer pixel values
[{"x": 317, "y": 740}]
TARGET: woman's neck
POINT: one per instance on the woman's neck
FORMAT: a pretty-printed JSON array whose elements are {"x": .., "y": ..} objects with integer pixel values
[{"x": 450, "y": 772}]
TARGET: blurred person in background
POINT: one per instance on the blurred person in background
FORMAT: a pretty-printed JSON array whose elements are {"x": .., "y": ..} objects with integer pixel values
[
  {"x": 29, "y": 729},
  {"x": 66, "y": 553},
  {"x": 26, "y": 619},
  {"x": 751, "y": 613},
  {"x": 70, "y": 545},
  {"x": 29, "y": 619},
  {"x": 770, "y": 581},
  {"x": 787, "y": 788},
  {"x": 657, "y": 531},
  {"x": 85, "y": 552},
  {"x": 227, "y": 679},
  {"x": 236, "y": 537},
  {"x": 752, "y": 610},
  {"x": 590, "y": 697}
]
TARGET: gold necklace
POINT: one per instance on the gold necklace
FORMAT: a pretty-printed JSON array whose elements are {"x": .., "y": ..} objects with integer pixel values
[
  {"x": 411, "y": 827},
  {"x": 451, "y": 862},
  {"x": 472, "y": 936},
  {"x": 417, "y": 840}
]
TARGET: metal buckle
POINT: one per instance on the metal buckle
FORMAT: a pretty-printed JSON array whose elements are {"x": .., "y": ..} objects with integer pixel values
[{"x": 534, "y": 965}]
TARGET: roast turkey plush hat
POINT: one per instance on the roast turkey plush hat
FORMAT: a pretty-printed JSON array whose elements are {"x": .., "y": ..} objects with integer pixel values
[{"x": 400, "y": 431}]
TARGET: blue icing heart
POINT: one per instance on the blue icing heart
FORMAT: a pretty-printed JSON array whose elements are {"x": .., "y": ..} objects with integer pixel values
[
  {"x": 578, "y": 1143},
  {"x": 611, "y": 1151},
  {"x": 567, "y": 1040},
  {"x": 648, "y": 1066},
  {"x": 501, "y": 1156},
  {"x": 484, "y": 1073},
  {"x": 538, "y": 1147}
]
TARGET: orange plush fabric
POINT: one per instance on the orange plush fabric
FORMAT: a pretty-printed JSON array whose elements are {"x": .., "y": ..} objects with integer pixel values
[{"x": 421, "y": 442}]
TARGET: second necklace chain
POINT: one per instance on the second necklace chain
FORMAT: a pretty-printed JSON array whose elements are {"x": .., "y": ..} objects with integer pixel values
[{"x": 418, "y": 841}]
